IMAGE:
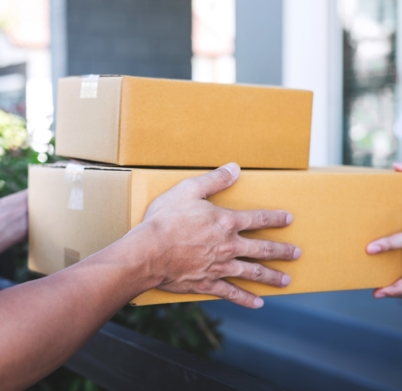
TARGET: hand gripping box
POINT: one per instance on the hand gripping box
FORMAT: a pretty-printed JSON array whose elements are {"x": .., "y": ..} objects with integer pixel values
[
  {"x": 74, "y": 212},
  {"x": 133, "y": 121}
]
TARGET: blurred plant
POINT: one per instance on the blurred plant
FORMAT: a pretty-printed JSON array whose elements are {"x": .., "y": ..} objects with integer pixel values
[
  {"x": 13, "y": 133},
  {"x": 16, "y": 154},
  {"x": 64, "y": 380},
  {"x": 185, "y": 325}
]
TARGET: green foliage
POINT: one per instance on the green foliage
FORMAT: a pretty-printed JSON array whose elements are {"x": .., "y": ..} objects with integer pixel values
[
  {"x": 15, "y": 154},
  {"x": 14, "y": 170},
  {"x": 13, "y": 133},
  {"x": 65, "y": 380},
  {"x": 183, "y": 325}
]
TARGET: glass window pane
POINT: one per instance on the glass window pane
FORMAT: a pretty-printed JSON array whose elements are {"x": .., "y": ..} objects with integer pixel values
[{"x": 369, "y": 50}]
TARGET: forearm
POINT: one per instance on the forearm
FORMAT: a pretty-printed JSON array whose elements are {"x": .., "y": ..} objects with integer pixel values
[
  {"x": 185, "y": 245},
  {"x": 44, "y": 322},
  {"x": 13, "y": 219}
]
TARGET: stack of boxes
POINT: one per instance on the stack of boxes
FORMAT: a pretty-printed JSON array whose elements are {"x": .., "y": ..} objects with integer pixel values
[{"x": 146, "y": 135}]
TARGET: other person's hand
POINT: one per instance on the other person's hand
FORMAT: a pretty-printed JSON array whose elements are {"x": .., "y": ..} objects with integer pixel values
[
  {"x": 13, "y": 219},
  {"x": 388, "y": 243},
  {"x": 196, "y": 244}
]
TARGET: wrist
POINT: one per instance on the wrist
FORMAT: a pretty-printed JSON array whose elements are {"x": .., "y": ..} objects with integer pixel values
[
  {"x": 128, "y": 262},
  {"x": 141, "y": 250},
  {"x": 13, "y": 219}
]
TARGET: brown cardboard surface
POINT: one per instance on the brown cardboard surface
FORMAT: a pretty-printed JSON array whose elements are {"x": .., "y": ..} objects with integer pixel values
[
  {"x": 337, "y": 212},
  {"x": 88, "y": 128},
  {"x": 132, "y": 120},
  {"x": 58, "y": 236}
]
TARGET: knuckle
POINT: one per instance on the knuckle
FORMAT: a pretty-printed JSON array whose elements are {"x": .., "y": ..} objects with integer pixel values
[
  {"x": 204, "y": 286},
  {"x": 229, "y": 222},
  {"x": 217, "y": 269},
  {"x": 221, "y": 176},
  {"x": 264, "y": 218},
  {"x": 257, "y": 272},
  {"x": 233, "y": 293},
  {"x": 227, "y": 249},
  {"x": 268, "y": 250}
]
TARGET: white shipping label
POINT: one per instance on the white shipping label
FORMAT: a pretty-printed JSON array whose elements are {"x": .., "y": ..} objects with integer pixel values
[{"x": 89, "y": 86}]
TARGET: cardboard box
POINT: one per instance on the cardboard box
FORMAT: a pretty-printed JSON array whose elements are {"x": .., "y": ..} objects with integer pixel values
[
  {"x": 130, "y": 121},
  {"x": 337, "y": 212}
]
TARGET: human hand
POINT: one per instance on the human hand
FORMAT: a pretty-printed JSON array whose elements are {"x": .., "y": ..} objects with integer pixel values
[
  {"x": 197, "y": 244},
  {"x": 13, "y": 219},
  {"x": 388, "y": 243},
  {"x": 185, "y": 244}
]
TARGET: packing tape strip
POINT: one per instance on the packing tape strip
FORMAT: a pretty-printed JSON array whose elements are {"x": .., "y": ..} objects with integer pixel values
[
  {"x": 89, "y": 86},
  {"x": 74, "y": 175}
]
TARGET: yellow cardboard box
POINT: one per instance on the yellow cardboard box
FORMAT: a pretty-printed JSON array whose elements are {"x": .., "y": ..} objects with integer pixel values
[
  {"x": 337, "y": 212},
  {"x": 133, "y": 121}
]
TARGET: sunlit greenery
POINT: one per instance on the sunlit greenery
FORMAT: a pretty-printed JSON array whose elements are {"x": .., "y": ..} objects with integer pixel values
[{"x": 13, "y": 133}]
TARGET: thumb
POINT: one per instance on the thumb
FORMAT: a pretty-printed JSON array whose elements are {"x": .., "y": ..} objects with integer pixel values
[
  {"x": 392, "y": 242},
  {"x": 216, "y": 180},
  {"x": 394, "y": 290}
]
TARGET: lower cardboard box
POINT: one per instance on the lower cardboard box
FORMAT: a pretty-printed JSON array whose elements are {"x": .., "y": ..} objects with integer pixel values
[{"x": 75, "y": 211}]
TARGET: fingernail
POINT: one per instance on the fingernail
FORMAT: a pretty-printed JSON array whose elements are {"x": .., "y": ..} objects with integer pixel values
[
  {"x": 258, "y": 302},
  {"x": 380, "y": 295},
  {"x": 286, "y": 280},
  {"x": 233, "y": 168},
  {"x": 289, "y": 219},
  {"x": 297, "y": 253},
  {"x": 373, "y": 248}
]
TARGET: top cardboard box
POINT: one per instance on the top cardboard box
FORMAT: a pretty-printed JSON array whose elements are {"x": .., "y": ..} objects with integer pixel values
[{"x": 133, "y": 121}]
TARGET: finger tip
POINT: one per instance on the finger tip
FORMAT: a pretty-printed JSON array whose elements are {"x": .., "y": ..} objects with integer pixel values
[
  {"x": 379, "y": 293},
  {"x": 286, "y": 280},
  {"x": 233, "y": 168},
  {"x": 373, "y": 248},
  {"x": 258, "y": 302},
  {"x": 289, "y": 219},
  {"x": 297, "y": 253}
]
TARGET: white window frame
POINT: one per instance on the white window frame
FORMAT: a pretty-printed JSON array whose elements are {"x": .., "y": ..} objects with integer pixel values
[{"x": 312, "y": 59}]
